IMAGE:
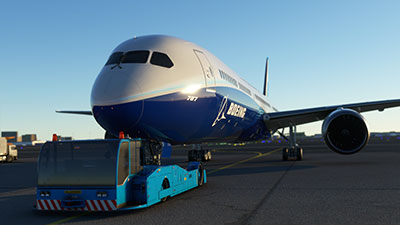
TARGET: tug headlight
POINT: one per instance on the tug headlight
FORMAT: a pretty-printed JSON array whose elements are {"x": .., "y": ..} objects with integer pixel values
[
  {"x": 102, "y": 194},
  {"x": 45, "y": 194}
]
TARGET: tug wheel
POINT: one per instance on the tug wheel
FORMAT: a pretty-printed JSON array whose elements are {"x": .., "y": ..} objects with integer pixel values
[
  {"x": 165, "y": 185},
  {"x": 9, "y": 159},
  {"x": 201, "y": 175}
]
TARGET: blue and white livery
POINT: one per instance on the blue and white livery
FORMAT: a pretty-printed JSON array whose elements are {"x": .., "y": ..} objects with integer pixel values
[
  {"x": 167, "y": 89},
  {"x": 197, "y": 99}
]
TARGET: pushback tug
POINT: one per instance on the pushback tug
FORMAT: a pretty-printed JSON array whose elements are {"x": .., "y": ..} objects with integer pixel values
[{"x": 110, "y": 174}]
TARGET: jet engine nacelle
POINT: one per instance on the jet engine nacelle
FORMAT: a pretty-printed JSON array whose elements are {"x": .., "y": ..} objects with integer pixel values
[{"x": 345, "y": 131}]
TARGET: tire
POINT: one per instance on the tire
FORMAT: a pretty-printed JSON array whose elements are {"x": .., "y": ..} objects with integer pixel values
[
  {"x": 285, "y": 154},
  {"x": 206, "y": 156},
  {"x": 165, "y": 185},
  {"x": 299, "y": 154},
  {"x": 9, "y": 159},
  {"x": 201, "y": 175}
]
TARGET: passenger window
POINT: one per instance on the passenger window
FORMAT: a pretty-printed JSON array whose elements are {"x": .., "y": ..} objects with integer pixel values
[
  {"x": 161, "y": 59},
  {"x": 115, "y": 58},
  {"x": 136, "y": 57},
  {"x": 123, "y": 162}
]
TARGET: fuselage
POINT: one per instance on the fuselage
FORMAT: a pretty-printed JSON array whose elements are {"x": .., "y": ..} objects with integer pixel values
[{"x": 168, "y": 89}]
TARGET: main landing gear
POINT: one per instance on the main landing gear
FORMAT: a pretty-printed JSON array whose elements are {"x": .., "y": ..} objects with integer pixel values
[
  {"x": 199, "y": 154},
  {"x": 293, "y": 151}
]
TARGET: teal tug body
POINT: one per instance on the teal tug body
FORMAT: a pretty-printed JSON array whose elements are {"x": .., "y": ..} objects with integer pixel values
[{"x": 108, "y": 175}]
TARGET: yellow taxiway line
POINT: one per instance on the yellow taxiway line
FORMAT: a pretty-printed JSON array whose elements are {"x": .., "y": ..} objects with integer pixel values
[{"x": 259, "y": 154}]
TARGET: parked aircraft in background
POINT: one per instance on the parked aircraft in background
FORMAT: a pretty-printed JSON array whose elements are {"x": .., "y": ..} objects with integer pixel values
[{"x": 166, "y": 89}]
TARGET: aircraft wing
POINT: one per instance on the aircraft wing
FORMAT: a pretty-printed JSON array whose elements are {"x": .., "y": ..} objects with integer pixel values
[
  {"x": 75, "y": 112},
  {"x": 276, "y": 120}
]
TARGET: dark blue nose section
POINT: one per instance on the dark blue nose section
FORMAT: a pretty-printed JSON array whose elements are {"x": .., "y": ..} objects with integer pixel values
[{"x": 116, "y": 118}]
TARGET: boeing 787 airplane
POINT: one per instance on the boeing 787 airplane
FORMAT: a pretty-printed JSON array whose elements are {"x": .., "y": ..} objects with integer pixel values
[{"x": 167, "y": 89}]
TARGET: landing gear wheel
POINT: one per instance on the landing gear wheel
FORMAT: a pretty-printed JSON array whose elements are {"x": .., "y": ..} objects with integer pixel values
[
  {"x": 204, "y": 156},
  {"x": 285, "y": 154},
  {"x": 294, "y": 151},
  {"x": 299, "y": 154},
  {"x": 199, "y": 155},
  {"x": 201, "y": 175},
  {"x": 165, "y": 185},
  {"x": 9, "y": 159}
]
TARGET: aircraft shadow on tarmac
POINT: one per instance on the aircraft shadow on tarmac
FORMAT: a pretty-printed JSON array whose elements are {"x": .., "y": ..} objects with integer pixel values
[{"x": 259, "y": 169}]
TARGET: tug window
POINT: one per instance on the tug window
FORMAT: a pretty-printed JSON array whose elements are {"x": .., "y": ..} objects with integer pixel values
[
  {"x": 161, "y": 59},
  {"x": 136, "y": 57},
  {"x": 135, "y": 157},
  {"x": 123, "y": 163},
  {"x": 83, "y": 163}
]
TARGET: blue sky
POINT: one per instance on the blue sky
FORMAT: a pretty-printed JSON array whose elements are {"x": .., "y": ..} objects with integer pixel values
[{"x": 321, "y": 53}]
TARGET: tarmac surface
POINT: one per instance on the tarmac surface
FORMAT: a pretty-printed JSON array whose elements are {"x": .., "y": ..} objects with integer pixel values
[{"x": 245, "y": 185}]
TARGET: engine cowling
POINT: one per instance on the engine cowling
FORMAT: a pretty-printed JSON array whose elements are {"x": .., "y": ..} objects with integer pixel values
[{"x": 345, "y": 131}]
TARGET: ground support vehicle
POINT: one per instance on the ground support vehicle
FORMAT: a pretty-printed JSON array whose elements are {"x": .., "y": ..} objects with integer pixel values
[
  {"x": 107, "y": 175},
  {"x": 8, "y": 152}
]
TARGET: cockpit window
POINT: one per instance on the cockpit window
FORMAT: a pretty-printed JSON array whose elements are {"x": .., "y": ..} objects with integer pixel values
[
  {"x": 128, "y": 57},
  {"x": 136, "y": 57},
  {"x": 115, "y": 58},
  {"x": 161, "y": 59}
]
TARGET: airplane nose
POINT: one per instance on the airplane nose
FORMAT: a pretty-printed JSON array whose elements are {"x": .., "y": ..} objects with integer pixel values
[
  {"x": 114, "y": 101},
  {"x": 121, "y": 117}
]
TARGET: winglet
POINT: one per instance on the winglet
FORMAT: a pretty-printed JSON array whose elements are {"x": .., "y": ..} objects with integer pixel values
[{"x": 265, "y": 92}]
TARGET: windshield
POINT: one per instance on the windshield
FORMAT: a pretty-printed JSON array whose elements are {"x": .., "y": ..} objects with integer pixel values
[
  {"x": 78, "y": 163},
  {"x": 161, "y": 59},
  {"x": 115, "y": 58},
  {"x": 136, "y": 57},
  {"x": 128, "y": 57}
]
